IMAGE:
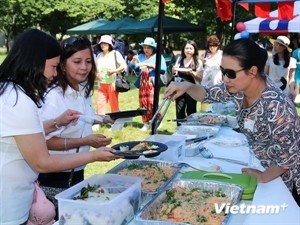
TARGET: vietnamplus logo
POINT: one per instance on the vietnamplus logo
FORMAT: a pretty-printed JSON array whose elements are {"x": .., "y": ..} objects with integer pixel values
[{"x": 249, "y": 209}]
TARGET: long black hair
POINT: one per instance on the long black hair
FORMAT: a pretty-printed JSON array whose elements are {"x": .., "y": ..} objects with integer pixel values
[
  {"x": 70, "y": 46},
  {"x": 25, "y": 63},
  {"x": 286, "y": 57},
  {"x": 248, "y": 54}
]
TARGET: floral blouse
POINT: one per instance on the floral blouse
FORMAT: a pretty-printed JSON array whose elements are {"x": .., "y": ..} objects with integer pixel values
[{"x": 271, "y": 126}]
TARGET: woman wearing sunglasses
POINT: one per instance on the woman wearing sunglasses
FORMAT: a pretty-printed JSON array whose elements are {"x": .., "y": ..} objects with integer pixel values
[
  {"x": 72, "y": 89},
  {"x": 24, "y": 77},
  {"x": 211, "y": 62},
  {"x": 266, "y": 116}
]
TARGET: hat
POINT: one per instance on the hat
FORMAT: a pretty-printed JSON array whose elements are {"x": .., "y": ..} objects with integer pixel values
[
  {"x": 283, "y": 40},
  {"x": 106, "y": 39},
  {"x": 149, "y": 41}
]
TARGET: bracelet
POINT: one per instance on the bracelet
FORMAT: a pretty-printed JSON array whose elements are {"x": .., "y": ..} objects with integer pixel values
[
  {"x": 65, "y": 142},
  {"x": 55, "y": 124}
]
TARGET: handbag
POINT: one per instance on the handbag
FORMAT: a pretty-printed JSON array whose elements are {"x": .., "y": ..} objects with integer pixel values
[
  {"x": 121, "y": 83},
  {"x": 42, "y": 211}
]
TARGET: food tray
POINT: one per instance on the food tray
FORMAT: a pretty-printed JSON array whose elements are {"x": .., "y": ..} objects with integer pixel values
[
  {"x": 199, "y": 131},
  {"x": 118, "y": 210},
  {"x": 205, "y": 118},
  {"x": 233, "y": 192},
  {"x": 147, "y": 196}
]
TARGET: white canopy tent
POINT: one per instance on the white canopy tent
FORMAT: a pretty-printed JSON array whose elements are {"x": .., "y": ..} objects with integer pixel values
[{"x": 269, "y": 26}]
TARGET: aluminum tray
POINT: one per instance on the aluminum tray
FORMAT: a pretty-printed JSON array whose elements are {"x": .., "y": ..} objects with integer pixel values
[
  {"x": 233, "y": 192},
  {"x": 147, "y": 196},
  {"x": 205, "y": 119}
]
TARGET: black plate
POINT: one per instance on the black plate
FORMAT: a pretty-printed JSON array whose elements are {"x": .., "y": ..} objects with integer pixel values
[
  {"x": 126, "y": 114},
  {"x": 136, "y": 154}
]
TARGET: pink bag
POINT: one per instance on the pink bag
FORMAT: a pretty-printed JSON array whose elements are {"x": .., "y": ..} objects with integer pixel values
[{"x": 42, "y": 211}]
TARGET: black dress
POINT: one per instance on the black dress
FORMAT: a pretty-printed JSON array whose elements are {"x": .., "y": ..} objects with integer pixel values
[{"x": 185, "y": 104}]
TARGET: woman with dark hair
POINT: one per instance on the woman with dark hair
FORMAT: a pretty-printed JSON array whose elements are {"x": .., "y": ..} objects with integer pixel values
[
  {"x": 266, "y": 116},
  {"x": 145, "y": 64},
  {"x": 211, "y": 62},
  {"x": 24, "y": 77},
  {"x": 109, "y": 63},
  {"x": 280, "y": 66},
  {"x": 72, "y": 89},
  {"x": 189, "y": 68}
]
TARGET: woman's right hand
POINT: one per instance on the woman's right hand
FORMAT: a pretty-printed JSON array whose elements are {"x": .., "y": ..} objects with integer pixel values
[
  {"x": 105, "y": 154},
  {"x": 176, "y": 89},
  {"x": 97, "y": 140},
  {"x": 67, "y": 117}
]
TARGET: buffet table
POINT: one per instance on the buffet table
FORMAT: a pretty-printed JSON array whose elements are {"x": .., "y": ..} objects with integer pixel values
[{"x": 271, "y": 194}]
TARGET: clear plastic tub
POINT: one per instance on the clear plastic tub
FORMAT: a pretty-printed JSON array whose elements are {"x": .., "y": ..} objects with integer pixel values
[{"x": 119, "y": 210}]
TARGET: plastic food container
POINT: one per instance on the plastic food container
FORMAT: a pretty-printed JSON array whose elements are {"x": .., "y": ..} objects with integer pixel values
[
  {"x": 232, "y": 192},
  {"x": 192, "y": 149},
  {"x": 119, "y": 210},
  {"x": 176, "y": 147},
  {"x": 147, "y": 195}
]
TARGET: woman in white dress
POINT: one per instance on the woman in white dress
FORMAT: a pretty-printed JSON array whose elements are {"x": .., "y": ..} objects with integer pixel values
[
  {"x": 211, "y": 62},
  {"x": 280, "y": 66}
]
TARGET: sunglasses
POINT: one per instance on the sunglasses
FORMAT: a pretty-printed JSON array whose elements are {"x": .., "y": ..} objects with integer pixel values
[
  {"x": 71, "y": 41},
  {"x": 231, "y": 74},
  {"x": 213, "y": 45}
]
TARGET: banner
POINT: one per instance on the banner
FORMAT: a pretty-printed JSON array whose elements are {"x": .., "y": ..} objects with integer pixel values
[
  {"x": 224, "y": 9},
  {"x": 262, "y": 9}
]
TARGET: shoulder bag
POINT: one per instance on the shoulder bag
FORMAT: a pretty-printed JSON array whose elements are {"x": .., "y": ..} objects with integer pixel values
[{"x": 121, "y": 83}]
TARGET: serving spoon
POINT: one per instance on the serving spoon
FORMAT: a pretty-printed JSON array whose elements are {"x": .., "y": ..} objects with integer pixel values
[{"x": 205, "y": 153}]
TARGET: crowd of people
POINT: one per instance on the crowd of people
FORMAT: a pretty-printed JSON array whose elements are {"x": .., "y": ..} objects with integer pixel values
[{"x": 47, "y": 112}]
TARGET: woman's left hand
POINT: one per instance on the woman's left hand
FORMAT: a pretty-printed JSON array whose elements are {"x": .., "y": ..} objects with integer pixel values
[{"x": 254, "y": 172}]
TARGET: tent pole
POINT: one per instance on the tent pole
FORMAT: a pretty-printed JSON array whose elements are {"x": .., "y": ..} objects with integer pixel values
[
  {"x": 158, "y": 62},
  {"x": 233, "y": 8}
]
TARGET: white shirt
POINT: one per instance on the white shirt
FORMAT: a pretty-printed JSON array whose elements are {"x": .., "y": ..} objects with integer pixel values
[
  {"x": 56, "y": 103},
  {"x": 212, "y": 74},
  {"x": 16, "y": 176},
  {"x": 109, "y": 62},
  {"x": 276, "y": 72}
]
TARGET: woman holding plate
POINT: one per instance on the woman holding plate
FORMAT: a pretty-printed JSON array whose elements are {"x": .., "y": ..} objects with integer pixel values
[
  {"x": 146, "y": 63},
  {"x": 188, "y": 68},
  {"x": 72, "y": 89}
]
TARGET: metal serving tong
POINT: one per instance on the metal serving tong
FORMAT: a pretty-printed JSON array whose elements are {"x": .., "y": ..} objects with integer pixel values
[{"x": 167, "y": 101}]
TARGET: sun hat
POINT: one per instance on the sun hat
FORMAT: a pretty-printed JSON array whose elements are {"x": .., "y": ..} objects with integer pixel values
[
  {"x": 106, "y": 39},
  {"x": 149, "y": 41},
  {"x": 283, "y": 40}
]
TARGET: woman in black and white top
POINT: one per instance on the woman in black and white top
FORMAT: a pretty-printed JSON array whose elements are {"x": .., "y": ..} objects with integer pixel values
[{"x": 188, "y": 68}]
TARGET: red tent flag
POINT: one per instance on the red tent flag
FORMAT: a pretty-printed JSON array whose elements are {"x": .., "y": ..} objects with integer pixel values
[
  {"x": 245, "y": 6},
  {"x": 224, "y": 10},
  {"x": 262, "y": 9},
  {"x": 285, "y": 10}
]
